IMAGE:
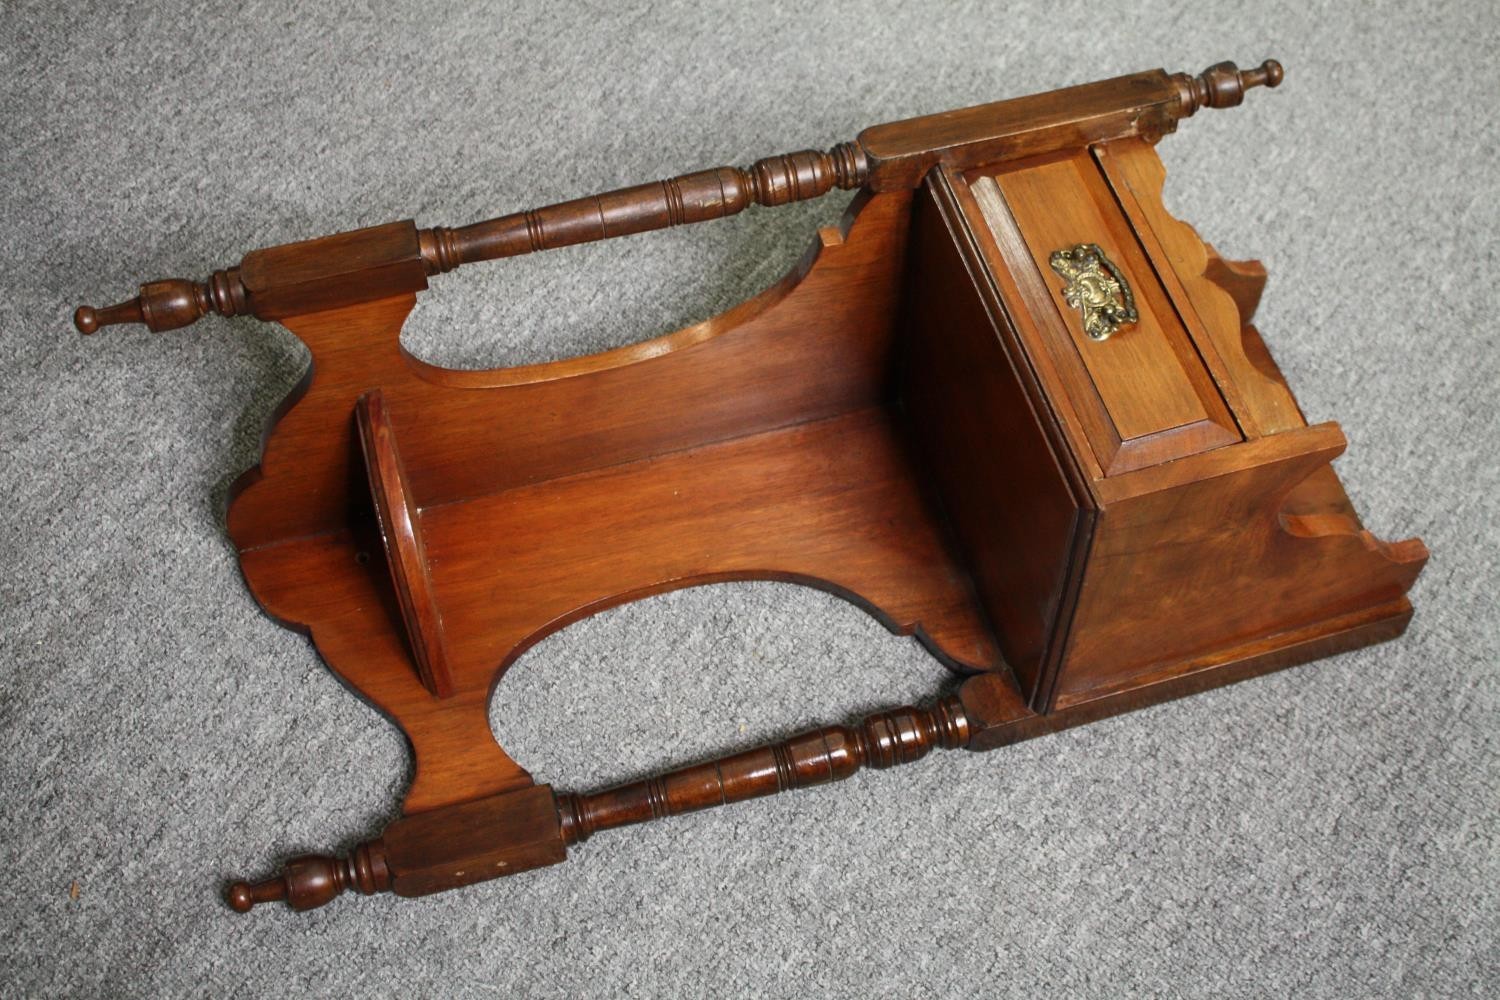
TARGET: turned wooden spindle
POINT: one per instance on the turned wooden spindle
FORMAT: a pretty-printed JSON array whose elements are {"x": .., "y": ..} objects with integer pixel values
[
  {"x": 1223, "y": 85},
  {"x": 385, "y": 260},
  {"x": 170, "y": 304},
  {"x": 519, "y": 830},
  {"x": 813, "y": 758},
  {"x": 695, "y": 197},
  {"x": 312, "y": 880}
]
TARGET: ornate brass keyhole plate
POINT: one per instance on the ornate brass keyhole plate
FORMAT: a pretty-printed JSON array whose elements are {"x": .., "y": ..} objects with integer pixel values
[{"x": 1096, "y": 288}]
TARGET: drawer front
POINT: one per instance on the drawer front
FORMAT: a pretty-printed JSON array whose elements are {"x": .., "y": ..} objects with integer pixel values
[{"x": 1142, "y": 393}]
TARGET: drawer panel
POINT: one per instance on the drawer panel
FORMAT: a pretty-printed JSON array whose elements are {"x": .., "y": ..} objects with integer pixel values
[{"x": 1142, "y": 394}]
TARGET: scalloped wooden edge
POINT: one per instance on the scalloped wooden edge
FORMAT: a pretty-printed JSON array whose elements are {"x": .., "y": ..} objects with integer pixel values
[{"x": 1218, "y": 296}]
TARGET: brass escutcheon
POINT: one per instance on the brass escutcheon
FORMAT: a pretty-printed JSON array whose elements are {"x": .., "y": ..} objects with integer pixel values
[{"x": 1096, "y": 288}]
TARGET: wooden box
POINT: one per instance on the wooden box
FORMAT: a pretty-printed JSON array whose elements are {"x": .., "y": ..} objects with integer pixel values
[{"x": 1144, "y": 514}]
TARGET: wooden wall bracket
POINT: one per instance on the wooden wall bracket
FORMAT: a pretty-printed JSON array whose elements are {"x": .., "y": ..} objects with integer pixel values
[{"x": 918, "y": 418}]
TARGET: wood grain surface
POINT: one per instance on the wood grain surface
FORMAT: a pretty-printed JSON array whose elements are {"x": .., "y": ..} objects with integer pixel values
[{"x": 915, "y": 419}]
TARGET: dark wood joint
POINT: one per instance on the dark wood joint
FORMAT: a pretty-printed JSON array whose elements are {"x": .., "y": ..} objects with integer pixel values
[
  {"x": 474, "y": 842},
  {"x": 334, "y": 271},
  {"x": 424, "y": 853}
]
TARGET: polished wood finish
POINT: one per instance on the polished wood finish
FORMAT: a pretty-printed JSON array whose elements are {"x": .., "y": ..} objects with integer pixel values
[
  {"x": 695, "y": 197},
  {"x": 367, "y": 264},
  {"x": 1000, "y": 716},
  {"x": 1214, "y": 298},
  {"x": 401, "y": 536},
  {"x": 282, "y": 281},
  {"x": 516, "y": 831},
  {"x": 1195, "y": 554},
  {"x": 1007, "y": 485},
  {"x": 425, "y": 853},
  {"x": 327, "y": 273},
  {"x": 794, "y": 467},
  {"x": 915, "y": 419},
  {"x": 473, "y": 842},
  {"x": 1146, "y": 390},
  {"x": 813, "y": 758},
  {"x": 1194, "y": 540},
  {"x": 1223, "y": 85},
  {"x": 162, "y": 305},
  {"x": 312, "y": 880}
]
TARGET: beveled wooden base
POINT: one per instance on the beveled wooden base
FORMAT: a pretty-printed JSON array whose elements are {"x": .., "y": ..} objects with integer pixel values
[{"x": 1000, "y": 717}]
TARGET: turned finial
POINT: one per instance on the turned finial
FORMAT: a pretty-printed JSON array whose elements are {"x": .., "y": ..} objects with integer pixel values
[
  {"x": 1223, "y": 85},
  {"x": 88, "y": 319},
  {"x": 162, "y": 305},
  {"x": 312, "y": 880},
  {"x": 169, "y": 304}
]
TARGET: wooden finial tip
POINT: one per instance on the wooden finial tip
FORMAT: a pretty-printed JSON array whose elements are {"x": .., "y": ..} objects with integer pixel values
[
  {"x": 239, "y": 897},
  {"x": 88, "y": 319},
  {"x": 312, "y": 880},
  {"x": 1223, "y": 85},
  {"x": 170, "y": 304},
  {"x": 242, "y": 895}
]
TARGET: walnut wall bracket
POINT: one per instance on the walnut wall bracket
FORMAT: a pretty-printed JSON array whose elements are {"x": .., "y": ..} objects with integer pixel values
[{"x": 1080, "y": 481}]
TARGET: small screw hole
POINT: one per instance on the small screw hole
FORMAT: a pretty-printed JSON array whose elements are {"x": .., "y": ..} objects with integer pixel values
[{"x": 363, "y": 558}]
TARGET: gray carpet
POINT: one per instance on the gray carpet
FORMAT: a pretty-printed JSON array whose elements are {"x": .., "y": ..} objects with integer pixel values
[{"x": 1325, "y": 832}]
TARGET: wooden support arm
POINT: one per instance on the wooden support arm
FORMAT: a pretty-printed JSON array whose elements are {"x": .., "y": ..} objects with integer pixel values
[
  {"x": 814, "y": 758},
  {"x": 386, "y": 260},
  {"x": 517, "y": 831},
  {"x": 695, "y": 197},
  {"x": 393, "y": 259}
]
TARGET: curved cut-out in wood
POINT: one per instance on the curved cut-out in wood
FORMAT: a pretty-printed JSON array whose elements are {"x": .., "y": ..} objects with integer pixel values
[
  {"x": 1222, "y": 294},
  {"x": 762, "y": 444},
  {"x": 1244, "y": 280},
  {"x": 1277, "y": 547}
]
